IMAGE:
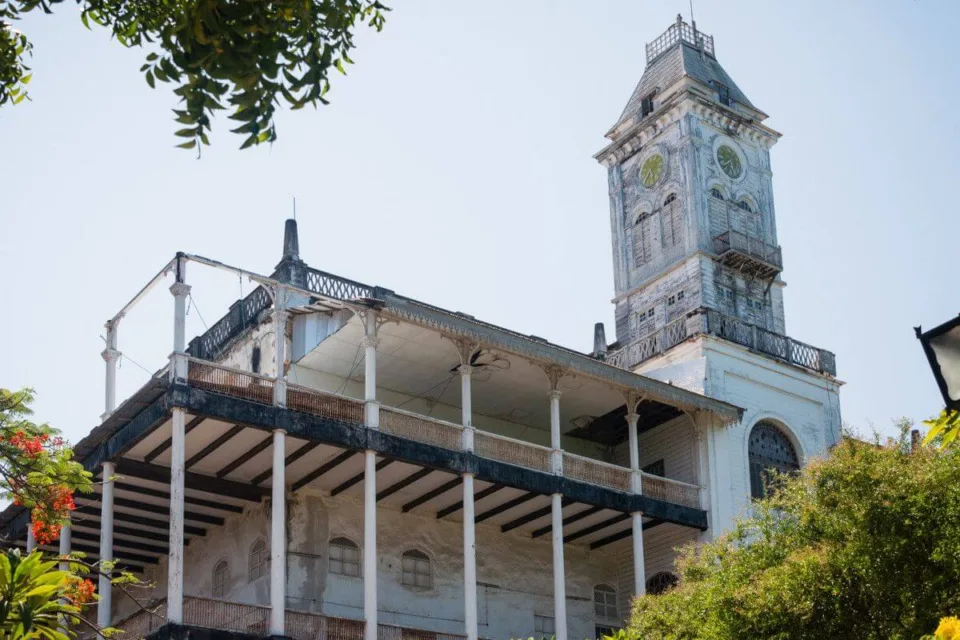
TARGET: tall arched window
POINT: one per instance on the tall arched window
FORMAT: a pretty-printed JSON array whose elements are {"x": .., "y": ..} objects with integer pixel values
[
  {"x": 716, "y": 193},
  {"x": 257, "y": 566},
  {"x": 642, "y": 239},
  {"x": 415, "y": 569},
  {"x": 221, "y": 579},
  {"x": 344, "y": 557},
  {"x": 769, "y": 450},
  {"x": 672, "y": 222},
  {"x": 660, "y": 582},
  {"x": 605, "y": 602}
]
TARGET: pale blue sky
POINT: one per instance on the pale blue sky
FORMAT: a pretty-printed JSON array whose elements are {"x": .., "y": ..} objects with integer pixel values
[{"x": 455, "y": 166}]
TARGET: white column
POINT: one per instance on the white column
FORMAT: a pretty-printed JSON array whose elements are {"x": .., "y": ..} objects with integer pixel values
[
  {"x": 639, "y": 570},
  {"x": 110, "y": 356},
  {"x": 66, "y": 542},
  {"x": 559, "y": 575},
  {"x": 280, "y": 338},
  {"x": 105, "y": 589},
  {"x": 180, "y": 291},
  {"x": 370, "y": 545},
  {"x": 31, "y": 540},
  {"x": 469, "y": 560},
  {"x": 469, "y": 531},
  {"x": 175, "y": 565},
  {"x": 278, "y": 536},
  {"x": 555, "y": 431},
  {"x": 370, "y": 343}
]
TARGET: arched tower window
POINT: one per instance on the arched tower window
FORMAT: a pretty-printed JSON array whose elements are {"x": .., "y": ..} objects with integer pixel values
[
  {"x": 769, "y": 450},
  {"x": 716, "y": 193},
  {"x": 660, "y": 583},
  {"x": 221, "y": 579},
  {"x": 344, "y": 557},
  {"x": 257, "y": 566},
  {"x": 605, "y": 602},
  {"x": 670, "y": 198},
  {"x": 672, "y": 222},
  {"x": 642, "y": 239},
  {"x": 743, "y": 204},
  {"x": 415, "y": 569}
]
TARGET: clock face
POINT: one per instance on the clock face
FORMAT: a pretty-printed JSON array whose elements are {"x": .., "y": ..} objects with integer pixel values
[
  {"x": 651, "y": 170},
  {"x": 729, "y": 161}
]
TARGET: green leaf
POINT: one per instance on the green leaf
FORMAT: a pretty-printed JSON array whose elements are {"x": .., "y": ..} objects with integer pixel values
[
  {"x": 186, "y": 133},
  {"x": 188, "y": 145},
  {"x": 150, "y": 81},
  {"x": 339, "y": 65}
]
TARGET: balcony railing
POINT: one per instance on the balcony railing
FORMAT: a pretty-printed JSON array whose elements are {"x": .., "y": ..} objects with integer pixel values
[
  {"x": 750, "y": 253},
  {"x": 258, "y": 388},
  {"x": 715, "y": 323},
  {"x": 670, "y": 490},
  {"x": 250, "y": 618}
]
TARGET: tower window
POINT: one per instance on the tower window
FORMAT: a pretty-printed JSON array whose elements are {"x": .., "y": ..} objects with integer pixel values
[
  {"x": 723, "y": 94},
  {"x": 716, "y": 193},
  {"x": 415, "y": 569},
  {"x": 670, "y": 198},
  {"x": 344, "y": 557},
  {"x": 642, "y": 244},
  {"x": 743, "y": 204},
  {"x": 258, "y": 560},
  {"x": 646, "y": 105},
  {"x": 672, "y": 222},
  {"x": 605, "y": 602}
]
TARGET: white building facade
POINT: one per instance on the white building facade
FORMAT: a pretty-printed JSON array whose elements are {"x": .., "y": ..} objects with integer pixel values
[{"x": 334, "y": 460}]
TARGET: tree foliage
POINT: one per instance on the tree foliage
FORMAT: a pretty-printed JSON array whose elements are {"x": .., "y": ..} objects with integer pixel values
[
  {"x": 944, "y": 429},
  {"x": 862, "y": 544},
  {"x": 241, "y": 55},
  {"x": 37, "y": 469}
]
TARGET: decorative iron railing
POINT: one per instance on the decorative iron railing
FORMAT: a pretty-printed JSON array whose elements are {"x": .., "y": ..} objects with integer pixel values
[
  {"x": 230, "y": 382},
  {"x": 749, "y": 246},
  {"x": 420, "y": 428},
  {"x": 516, "y": 452},
  {"x": 243, "y": 314},
  {"x": 331, "y": 286},
  {"x": 224, "y": 615},
  {"x": 679, "y": 31},
  {"x": 733, "y": 329},
  {"x": 596, "y": 472}
]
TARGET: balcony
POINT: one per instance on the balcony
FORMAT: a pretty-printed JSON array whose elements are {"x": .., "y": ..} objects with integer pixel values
[
  {"x": 708, "y": 321},
  {"x": 240, "y": 618},
  {"x": 748, "y": 254}
]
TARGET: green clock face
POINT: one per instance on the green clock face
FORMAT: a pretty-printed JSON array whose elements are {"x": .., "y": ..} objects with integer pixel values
[
  {"x": 651, "y": 170},
  {"x": 729, "y": 161}
]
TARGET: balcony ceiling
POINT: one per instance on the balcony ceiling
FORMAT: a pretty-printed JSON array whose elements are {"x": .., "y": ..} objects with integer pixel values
[{"x": 419, "y": 362}]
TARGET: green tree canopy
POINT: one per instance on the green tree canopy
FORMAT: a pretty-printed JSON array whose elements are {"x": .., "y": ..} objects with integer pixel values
[
  {"x": 862, "y": 544},
  {"x": 241, "y": 55}
]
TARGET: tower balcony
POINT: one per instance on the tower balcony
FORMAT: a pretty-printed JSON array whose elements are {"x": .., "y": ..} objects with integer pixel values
[{"x": 748, "y": 254}]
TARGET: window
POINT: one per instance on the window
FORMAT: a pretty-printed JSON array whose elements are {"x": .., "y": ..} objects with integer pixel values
[
  {"x": 602, "y": 631},
  {"x": 660, "y": 583},
  {"x": 642, "y": 234},
  {"x": 726, "y": 294},
  {"x": 255, "y": 359},
  {"x": 743, "y": 204},
  {"x": 415, "y": 569},
  {"x": 221, "y": 579},
  {"x": 646, "y": 105},
  {"x": 716, "y": 193},
  {"x": 344, "y": 557},
  {"x": 723, "y": 94},
  {"x": 679, "y": 296},
  {"x": 605, "y": 602},
  {"x": 258, "y": 560},
  {"x": 656, "y": 469},
  {"x": 672, "y": 222},
  {"x": 670, "y": 199},
  {"x": 769, "y": 450},
  {"x": 543, "y": 626},
  {"x": 754, "y": 305},
  {"x": 675, "y": 298}
]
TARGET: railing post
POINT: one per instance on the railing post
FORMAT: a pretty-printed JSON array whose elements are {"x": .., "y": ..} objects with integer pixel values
[
  {"x": 110, "y": 356},
  {"x": 105, "y": 588}
]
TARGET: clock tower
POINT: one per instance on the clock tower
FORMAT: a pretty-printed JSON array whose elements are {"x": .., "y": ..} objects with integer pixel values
[{"x": 697, "y": 262}]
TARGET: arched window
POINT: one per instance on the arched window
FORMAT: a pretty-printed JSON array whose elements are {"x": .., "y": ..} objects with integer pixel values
[
  {"x": 642, "y": 239},
  {"x": 716, "y": 193},
  {"x": 670, "y": 198},
  {"x": 672, "y": 231},
  {"x": 605, "y": 602},
  {"x": 257, "y": 567},
  {"x": 661, "y": 582},
  {"x": 743, "y": 204},
  {"x": 415, "y": 569},
  {"x": 344, "y": 557},
  {"x": 769, "y": 450},
  {"x": 221, "y": 579}
]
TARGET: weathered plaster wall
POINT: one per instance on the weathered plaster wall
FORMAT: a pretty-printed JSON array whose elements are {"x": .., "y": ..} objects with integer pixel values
[{"x": 514, "y": 572}]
